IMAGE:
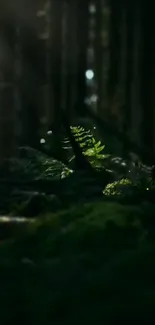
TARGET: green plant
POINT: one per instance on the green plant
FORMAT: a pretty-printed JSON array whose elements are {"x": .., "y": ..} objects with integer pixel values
[
  {"x": 35, "y": 204},
  {"x": 81, "y": 228},
  {"x": 35, "y": 165},
  {"x": 91, "y": 148},
  {"x": 94, "y": 258},
  {"x": 122, "y": 187}
]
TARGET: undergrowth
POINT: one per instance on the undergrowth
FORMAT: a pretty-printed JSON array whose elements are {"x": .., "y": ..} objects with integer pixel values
[
  {"x": 42, "y": 183},
  {"x": 86, "y": 258},
  {"x": 92, "y": 262}
]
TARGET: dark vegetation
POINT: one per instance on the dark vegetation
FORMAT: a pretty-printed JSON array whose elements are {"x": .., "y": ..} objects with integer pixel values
[
  {"x": 77, "y": 210},
  {"x": 87, "y": 255}
]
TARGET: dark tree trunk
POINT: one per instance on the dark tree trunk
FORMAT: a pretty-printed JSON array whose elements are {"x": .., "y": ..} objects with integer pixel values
[
  {"x": 32, "y": 73},
  {"x": 56, "y": 61},
  {"x": 99, "y": 56},
  {"x": 115, "y": 46},
  {"x": 7, "y": 107},
  {"x": 135, "y": 132},
  {"x": 129, "y": 70},
  {"x": 147, "y": 74},
  {"x": 82, "y": 40},
  {"x": 129, "y": 62}
]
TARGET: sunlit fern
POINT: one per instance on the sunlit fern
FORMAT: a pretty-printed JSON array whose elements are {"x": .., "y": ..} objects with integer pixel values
[{"x": 91, "y": 148}]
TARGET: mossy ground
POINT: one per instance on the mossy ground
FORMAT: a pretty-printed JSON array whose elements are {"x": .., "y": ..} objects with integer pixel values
[{"x": 90, "y": 264}]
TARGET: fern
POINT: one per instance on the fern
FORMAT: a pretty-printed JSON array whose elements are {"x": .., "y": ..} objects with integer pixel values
[
  {"x": 122, "y": 187},
  {"x": 82, "y": 136},
  {"x": 35, "y": 165},
  {"x": 91, "y": 148}
]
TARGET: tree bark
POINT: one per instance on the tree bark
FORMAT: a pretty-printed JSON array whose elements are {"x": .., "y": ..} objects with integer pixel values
[
  {"x": 7, "y": 107},
  {"x": 147, "y": 77},
  {"x": 82, "y": 41},
  {"x": 136, "y": 116},
  {"x": 115, "y": 45}
]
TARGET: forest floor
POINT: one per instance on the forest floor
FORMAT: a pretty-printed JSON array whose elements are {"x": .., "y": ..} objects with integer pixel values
[
  {"x": 92, "y": 263},
  {"x": 83, "y": 252}
]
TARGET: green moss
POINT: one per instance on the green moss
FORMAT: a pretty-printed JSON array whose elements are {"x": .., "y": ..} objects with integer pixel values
[{"x": 92, "y": 262}]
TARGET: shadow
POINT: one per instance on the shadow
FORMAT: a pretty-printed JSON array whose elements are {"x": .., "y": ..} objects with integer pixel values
[{"x": 131, "y": 147}]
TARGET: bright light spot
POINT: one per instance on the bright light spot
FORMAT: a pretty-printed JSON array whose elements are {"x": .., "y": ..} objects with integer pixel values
[
  {"x": 94, "y": 127},
  {"x": 42, "y": 140},
  {"x": 92, "y": 9},
  {"x": 147, "y": 189},
  {"x": 89, "y": 74},
  {"x": 94, "y": 98},
  {"x": 91, "y": 100},
  {"x": 49, "y": 132}
]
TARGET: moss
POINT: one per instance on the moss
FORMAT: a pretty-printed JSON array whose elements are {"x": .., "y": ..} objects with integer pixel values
[{"x": 92, "y": 262}]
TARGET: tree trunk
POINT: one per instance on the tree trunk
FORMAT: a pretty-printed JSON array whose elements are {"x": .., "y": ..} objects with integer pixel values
[
  {"x": 82, "y": 41},
  {"x": 56, "y": 61},
  {"x": 147, "y": 77},
  {"x": 32, "y": 74},
  {"x": 72, "y": 50},
  {"x": 129, "y": 72},
  {"x": 103, "y": 13},
  {"x": 7, "y": 107},
  {"x": 115, "y": 45},
  {"x": 135, "y": 133}
]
